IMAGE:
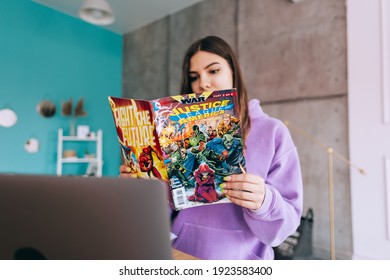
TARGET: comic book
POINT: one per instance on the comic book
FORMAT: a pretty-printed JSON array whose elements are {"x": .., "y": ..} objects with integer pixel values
[{"x": 191, "y": 141}]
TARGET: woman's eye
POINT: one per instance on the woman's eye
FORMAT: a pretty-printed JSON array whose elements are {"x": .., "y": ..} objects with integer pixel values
[
  {"x": 193, "y": 78},
  {"x": 214, "y": 71}
]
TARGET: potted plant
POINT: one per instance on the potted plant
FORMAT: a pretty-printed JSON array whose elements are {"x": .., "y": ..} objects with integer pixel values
[{"x": 73, "y": 114}]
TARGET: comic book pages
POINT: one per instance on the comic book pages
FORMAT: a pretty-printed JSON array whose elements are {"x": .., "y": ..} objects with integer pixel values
[{"x": 191, "y": 140}]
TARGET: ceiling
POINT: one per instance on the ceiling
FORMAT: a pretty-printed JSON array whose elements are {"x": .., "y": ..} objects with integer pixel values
[{"x": 129, "y": 14}]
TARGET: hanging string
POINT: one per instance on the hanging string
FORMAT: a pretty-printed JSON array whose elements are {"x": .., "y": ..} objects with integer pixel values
[
  {"x": 331, "y": 153},
  {"x": 324, "y": 147}
]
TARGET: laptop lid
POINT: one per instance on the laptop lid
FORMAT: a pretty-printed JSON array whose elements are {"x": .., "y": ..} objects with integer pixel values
[{"x": 75, "y": 218}]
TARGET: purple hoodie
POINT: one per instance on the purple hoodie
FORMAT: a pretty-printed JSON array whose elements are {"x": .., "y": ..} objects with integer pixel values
[{"x": 228, "y": 231}]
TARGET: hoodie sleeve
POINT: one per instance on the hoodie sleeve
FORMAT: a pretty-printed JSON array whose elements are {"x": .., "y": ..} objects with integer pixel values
[{"x": 279, "y": 216}]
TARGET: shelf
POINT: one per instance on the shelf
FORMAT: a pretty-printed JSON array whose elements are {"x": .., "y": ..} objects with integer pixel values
[
  {"x": 76, "y": 160},
  {"x": 95, "y": 164},
  {"x": 75, "y": 138}
]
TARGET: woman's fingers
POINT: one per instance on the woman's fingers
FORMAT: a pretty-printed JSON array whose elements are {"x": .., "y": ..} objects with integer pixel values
[
  {"x": 247, "y": 178},
  {"x": 125, "y": 172},
  {"x": 124, "y": 169},
  {"x": 128, "y": 175},
  {"x": 254, "y": 205},
  {"x": 246, "y": 190}
]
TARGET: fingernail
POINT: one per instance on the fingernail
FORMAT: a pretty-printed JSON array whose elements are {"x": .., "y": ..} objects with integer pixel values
[
  {"x": 128, "y": 169},
  {"x": 223, "y": 185},
  {"x": 227, "y": 178}
]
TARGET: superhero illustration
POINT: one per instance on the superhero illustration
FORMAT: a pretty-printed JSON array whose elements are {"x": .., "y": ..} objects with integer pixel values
[
  {"x": 211, "y": 133},
  {"x": 146, "y": 163},
  {"x": 197, "y": 139},
  {"x": 205, "y": 185},
  {"x": 177, "y": 169},
  {"x": 229, "y": 124},
  {"x": 129, "y": 158},
  {"x": 231, "y": 151}
]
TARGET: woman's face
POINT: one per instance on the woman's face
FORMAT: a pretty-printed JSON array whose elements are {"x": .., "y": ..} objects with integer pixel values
[{"x": 209, "y": 72}]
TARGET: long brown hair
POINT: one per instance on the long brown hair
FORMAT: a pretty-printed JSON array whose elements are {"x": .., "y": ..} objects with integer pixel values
[{"x": 218, "y": 46}]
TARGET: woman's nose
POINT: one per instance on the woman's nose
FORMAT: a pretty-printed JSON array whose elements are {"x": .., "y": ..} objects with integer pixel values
[{"x": 204, "y": 83}]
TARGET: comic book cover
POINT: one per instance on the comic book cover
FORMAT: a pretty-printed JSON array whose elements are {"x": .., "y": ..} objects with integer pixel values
[
  {"x": 191, "y": 141},
  {"x": 137, "y": 137},
  {"x": 199, "y": 135}
]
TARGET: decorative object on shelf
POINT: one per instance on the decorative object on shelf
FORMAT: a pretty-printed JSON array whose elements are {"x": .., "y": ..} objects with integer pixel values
[
  {"x": 331, "y": 154},
  {"x": 32, "y": 145},
  {"x": 92, "y": 170},
  {"x": 46, "y": 108},
  {"x": 87, "y": 155},
  {"x": 97, "y": 12},
  {"x": 67, "y": 110},
  {"x": 70, "y": 154},
  {"x": 82, "y": 131},
  {"x": 8, "y": 117}
]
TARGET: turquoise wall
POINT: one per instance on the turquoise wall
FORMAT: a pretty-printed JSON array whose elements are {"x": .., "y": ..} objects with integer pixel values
[{"x": 45, "y": 54}]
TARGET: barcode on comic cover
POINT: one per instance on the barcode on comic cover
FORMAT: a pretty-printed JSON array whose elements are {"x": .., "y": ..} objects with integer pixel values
[{"x": 179, "y": 196}]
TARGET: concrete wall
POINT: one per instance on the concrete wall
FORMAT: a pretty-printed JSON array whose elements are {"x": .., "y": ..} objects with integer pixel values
[{"x": 293, "y": 58}]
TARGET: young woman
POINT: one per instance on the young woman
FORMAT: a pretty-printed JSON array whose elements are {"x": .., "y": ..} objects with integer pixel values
[{"x": 266, "y": 201}]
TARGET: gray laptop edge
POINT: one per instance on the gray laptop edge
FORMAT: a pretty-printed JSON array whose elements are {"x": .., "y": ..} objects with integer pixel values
[{"x": 76, "y": 218}]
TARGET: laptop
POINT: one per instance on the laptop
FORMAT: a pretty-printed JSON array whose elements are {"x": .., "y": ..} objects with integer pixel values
[{"x": 83, "y": 218}]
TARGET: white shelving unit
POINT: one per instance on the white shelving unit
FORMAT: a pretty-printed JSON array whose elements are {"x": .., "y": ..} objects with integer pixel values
[{"x": 98, "y": 160}]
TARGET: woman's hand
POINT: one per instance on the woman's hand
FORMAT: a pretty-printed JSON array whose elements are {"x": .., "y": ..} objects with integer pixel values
[
  {"x": 246, "y": 190},
  {"x": 125, "y": 172}
]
